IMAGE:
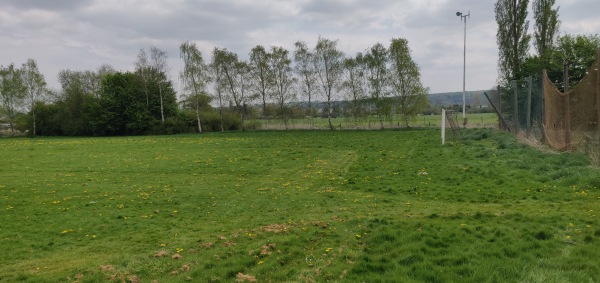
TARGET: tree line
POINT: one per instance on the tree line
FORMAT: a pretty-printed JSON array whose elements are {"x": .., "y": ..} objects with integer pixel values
[
  {"x": 218, "y": 94},
  {"x": 515, "y": 62}
]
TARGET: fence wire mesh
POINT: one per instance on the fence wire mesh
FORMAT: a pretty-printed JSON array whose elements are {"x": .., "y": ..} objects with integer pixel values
[
  {"x": 535, "y": 107},
  {"x": 573, "y": 117},
  {"x": 520, "y": 106}
]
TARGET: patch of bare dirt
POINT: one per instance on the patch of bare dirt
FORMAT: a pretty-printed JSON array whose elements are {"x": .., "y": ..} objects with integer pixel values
[
  {"x": 161, "y": 254},
  {"x": 107, "y": 268},
  {"x": 176, "y": 257},
  {"x": 208, "y": 245},
  {"x": 185, "y": 268},
  {"x": 244, "y": 278},
  {"x": 275, "y": 228},
  {"x": 267, "y": 249},
  {"x": 321, "y": 224},
  {"x": 337, "y": 218}
]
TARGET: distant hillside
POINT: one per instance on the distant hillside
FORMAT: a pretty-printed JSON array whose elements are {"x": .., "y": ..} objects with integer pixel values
[{"x": 473, "y": 98}]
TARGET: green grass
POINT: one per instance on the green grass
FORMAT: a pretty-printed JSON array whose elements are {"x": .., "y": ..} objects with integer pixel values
[
  {"x": 350, "y": 206},
  {"x": 478, "y": 120}
]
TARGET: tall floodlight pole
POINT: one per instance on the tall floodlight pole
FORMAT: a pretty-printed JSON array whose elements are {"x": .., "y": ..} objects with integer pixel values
[{"x": 464, "y": 17}]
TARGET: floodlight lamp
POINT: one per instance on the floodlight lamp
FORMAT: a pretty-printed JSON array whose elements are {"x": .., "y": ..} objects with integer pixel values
[{"x": 458, "y": 14}]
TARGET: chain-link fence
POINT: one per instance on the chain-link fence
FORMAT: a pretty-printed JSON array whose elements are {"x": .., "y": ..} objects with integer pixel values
[{"x": 520, "y": 106}]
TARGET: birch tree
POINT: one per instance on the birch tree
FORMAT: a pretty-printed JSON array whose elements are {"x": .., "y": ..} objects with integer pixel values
[
  {"x": 158, "y": 62},
  {"x": 329, "y": 69},
  {"x": 35, "y": 87},
  {"x": 142, "y": 67},
  {"x": 218, "y": 55},
  {"x": 305, "y": 70},
  {"x": 261, "y": 74},
  {"x": 283, "y": 81},
  {"x": 194, "y": 75},
  {"x": 12, "y": 93},
  {"x": 376, "y": 64},
  {"x": 355, "y": 83},
  {"x": 236, "y": 79},
  {"x": 405, "y": 79}
]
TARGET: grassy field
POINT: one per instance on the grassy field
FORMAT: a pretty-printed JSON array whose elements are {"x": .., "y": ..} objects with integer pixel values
[{"x": 308, "y": 206}]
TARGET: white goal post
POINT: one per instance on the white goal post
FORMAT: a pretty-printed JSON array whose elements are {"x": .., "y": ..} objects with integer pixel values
[{"x": 443, "y": 126}]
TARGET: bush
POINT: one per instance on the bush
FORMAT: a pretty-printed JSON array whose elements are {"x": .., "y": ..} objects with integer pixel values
[
  {"x": 178, "y": 124},
  {"x": 211, "y": 121},
  {"x": 253, "y": 125}
]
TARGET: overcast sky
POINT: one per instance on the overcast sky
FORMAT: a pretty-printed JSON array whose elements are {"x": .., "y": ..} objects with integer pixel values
[{"x": 84, "y": 34}]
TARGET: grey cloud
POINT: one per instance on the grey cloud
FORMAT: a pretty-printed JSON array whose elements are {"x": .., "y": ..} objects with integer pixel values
[
  {"x": 85, "y": 34},
  {"x": 60, "y": 5}
]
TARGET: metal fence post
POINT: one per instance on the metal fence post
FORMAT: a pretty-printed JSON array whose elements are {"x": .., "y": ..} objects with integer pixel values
[
  {"x": 529, "y": 80},
  {"x": 567, "y": 100},
  {"x": 598, "y": 90},
  {"x": 516, "y": 109},
  {"x": 499, "y": 106}
]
